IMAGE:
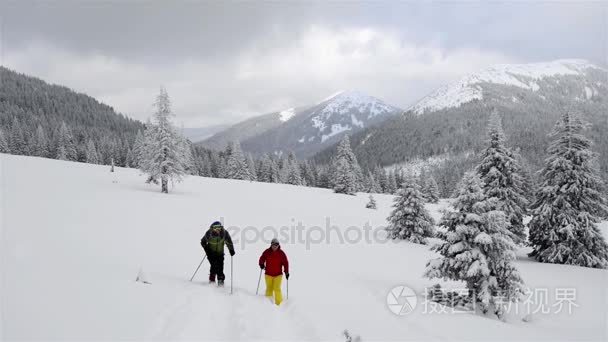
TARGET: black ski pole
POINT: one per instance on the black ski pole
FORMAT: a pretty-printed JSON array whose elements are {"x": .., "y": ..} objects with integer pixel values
[
  {"x": 287, "y": 288},
  {"x": 199, "y": 266},
  {"x": 259, "y": 278},
  {"x": 231, "y": 274}
]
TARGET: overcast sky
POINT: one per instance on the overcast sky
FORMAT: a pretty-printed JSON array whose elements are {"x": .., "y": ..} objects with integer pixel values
[{"x": 222, "y": 62}]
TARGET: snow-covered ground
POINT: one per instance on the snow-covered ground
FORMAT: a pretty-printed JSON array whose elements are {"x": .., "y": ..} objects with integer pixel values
[{"x": 75, "y": 236}]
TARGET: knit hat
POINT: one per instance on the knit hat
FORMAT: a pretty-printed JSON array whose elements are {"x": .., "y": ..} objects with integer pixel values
[
  {"x": 216, "y": 224},
  {"x": 274, "y": 241}
]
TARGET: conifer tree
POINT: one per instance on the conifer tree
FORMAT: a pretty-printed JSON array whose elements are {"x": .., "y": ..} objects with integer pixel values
[
  {"x": 236, "y": 165},
  {"x": 346, "y": 171},
  {"x": 166, "y": 154},
  {"x": 138, "y": 148},
  {"x": 292, "y": 173},
  {"x": 40, "y": 146},
  {"x": 16, "y": 143},
  {"x": 66, "y": 149},
  {"x": 500, "y": 174},
  {"x": 3, "y": 143},
  {"x": 431, "y": 189},
  {"x": 569, "y": 202},
  {"x": 391, "y": 186},
  {"x": 372, "y": 203},
  {"x": 477, "y": 248},
  {"x": 91, "y": 153},
  {"x": 381, "y": 179},
  {"x": 409, "y": 220},
  {"x": 251, "y": 165}
]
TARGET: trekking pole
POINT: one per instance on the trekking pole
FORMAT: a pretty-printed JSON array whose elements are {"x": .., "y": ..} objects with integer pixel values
[
  {"x": 259, "y": 278},
  {"x": 287, "y": 288},
  {"x": 199, "y": 266},
  {"x": 231, "y": 274}
]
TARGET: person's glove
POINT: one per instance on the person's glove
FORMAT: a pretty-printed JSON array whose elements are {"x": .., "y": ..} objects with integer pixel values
[
  {"x": 262, "y": 266},
  {"x": 287, "y": 276},
  {"x": 232, "y": 253}
]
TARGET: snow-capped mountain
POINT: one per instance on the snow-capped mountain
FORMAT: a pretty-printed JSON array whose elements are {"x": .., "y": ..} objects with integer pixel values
[
  {"x": 451, "y": 122},
  {"x": 345, "y": 111},
  {"x": 524, "y": 76},
  {"x": 309, "y": 130}
]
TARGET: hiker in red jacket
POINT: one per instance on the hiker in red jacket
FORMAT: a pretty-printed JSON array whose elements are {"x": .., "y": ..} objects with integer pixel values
[{"x": 274, "y": 261}]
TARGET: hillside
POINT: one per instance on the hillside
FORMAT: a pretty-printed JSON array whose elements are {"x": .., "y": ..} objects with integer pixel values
[
  {"x": 310, "y": 130},
  {"x": 69, "y": 265},
  {"x": 27, "y": 103},
  {"x": 450, "y": 123},
  {"x": 201, "y": 133},
  {"x": 242, "y": 131}
]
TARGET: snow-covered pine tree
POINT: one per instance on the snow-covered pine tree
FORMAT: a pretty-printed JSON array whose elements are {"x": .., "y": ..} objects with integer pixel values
[
  {"x": 129, "y": 159},
  {"x": 91, "y": 153},
  {"x": 3, "y": 143},
  {"x": 138, "y": 148},
  {"x": 275, "y": 172},
  {"x": 381, "y": 179},
  {"x": 265, "y": 169},
  {"x": 399, "y": 175},
  {"x": 292, "y": 173},
  {"x": 477, "y": 248},
  {"x": 66, "y": 149},
  {"x": 372, "y": 203},
  {"x": 166, "y": 154},
  {"x": 391, "y": 185},
  {"x": 500, "y": 175},
  {"x": 236, "y": 165},
  {"x": 307, "y": 170},
  {"x": 422, "y": 183},
  {"x": 374, "y": 184},
  {"x": 40, "y": 145},
  {"x": 346, "y": 171},
  {"x": 431, "y": 189},
  {"x": 569, "y": 201},
  {"x": 409, "y": 220},
  {"x": 16, "y": 142},
  {"x": 251, "y": 165}
]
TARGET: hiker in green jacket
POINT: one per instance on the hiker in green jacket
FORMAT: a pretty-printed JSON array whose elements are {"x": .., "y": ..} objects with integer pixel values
[{"x": 213, "y": 243}]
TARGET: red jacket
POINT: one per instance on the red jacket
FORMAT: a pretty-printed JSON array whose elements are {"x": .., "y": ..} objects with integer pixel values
[{"x": 274, "y": 260}]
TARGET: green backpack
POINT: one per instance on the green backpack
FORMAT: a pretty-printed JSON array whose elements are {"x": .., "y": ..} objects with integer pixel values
[{"x": 216, "y": 241}]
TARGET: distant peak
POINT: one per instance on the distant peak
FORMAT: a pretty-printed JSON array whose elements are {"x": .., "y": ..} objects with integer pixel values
[{"x": 523, "y": 76}]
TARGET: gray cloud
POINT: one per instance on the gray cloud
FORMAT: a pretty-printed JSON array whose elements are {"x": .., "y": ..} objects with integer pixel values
[{"x": 224, "y": 61}]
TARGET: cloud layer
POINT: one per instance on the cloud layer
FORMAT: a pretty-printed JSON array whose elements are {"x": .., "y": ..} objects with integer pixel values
[{"x": 223, "y": 64}]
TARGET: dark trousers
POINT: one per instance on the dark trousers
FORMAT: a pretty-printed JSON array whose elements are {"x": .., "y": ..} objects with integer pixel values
[{"x": 217, "y": 267}]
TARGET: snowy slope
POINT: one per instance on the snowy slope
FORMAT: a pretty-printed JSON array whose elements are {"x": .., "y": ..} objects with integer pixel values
[
  {"x": 524, "y": 76},
  {"x": 75, "y": 236}
]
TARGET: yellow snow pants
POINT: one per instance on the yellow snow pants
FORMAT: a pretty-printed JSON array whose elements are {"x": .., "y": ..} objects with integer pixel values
[{"x": 273, "y": 285}]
